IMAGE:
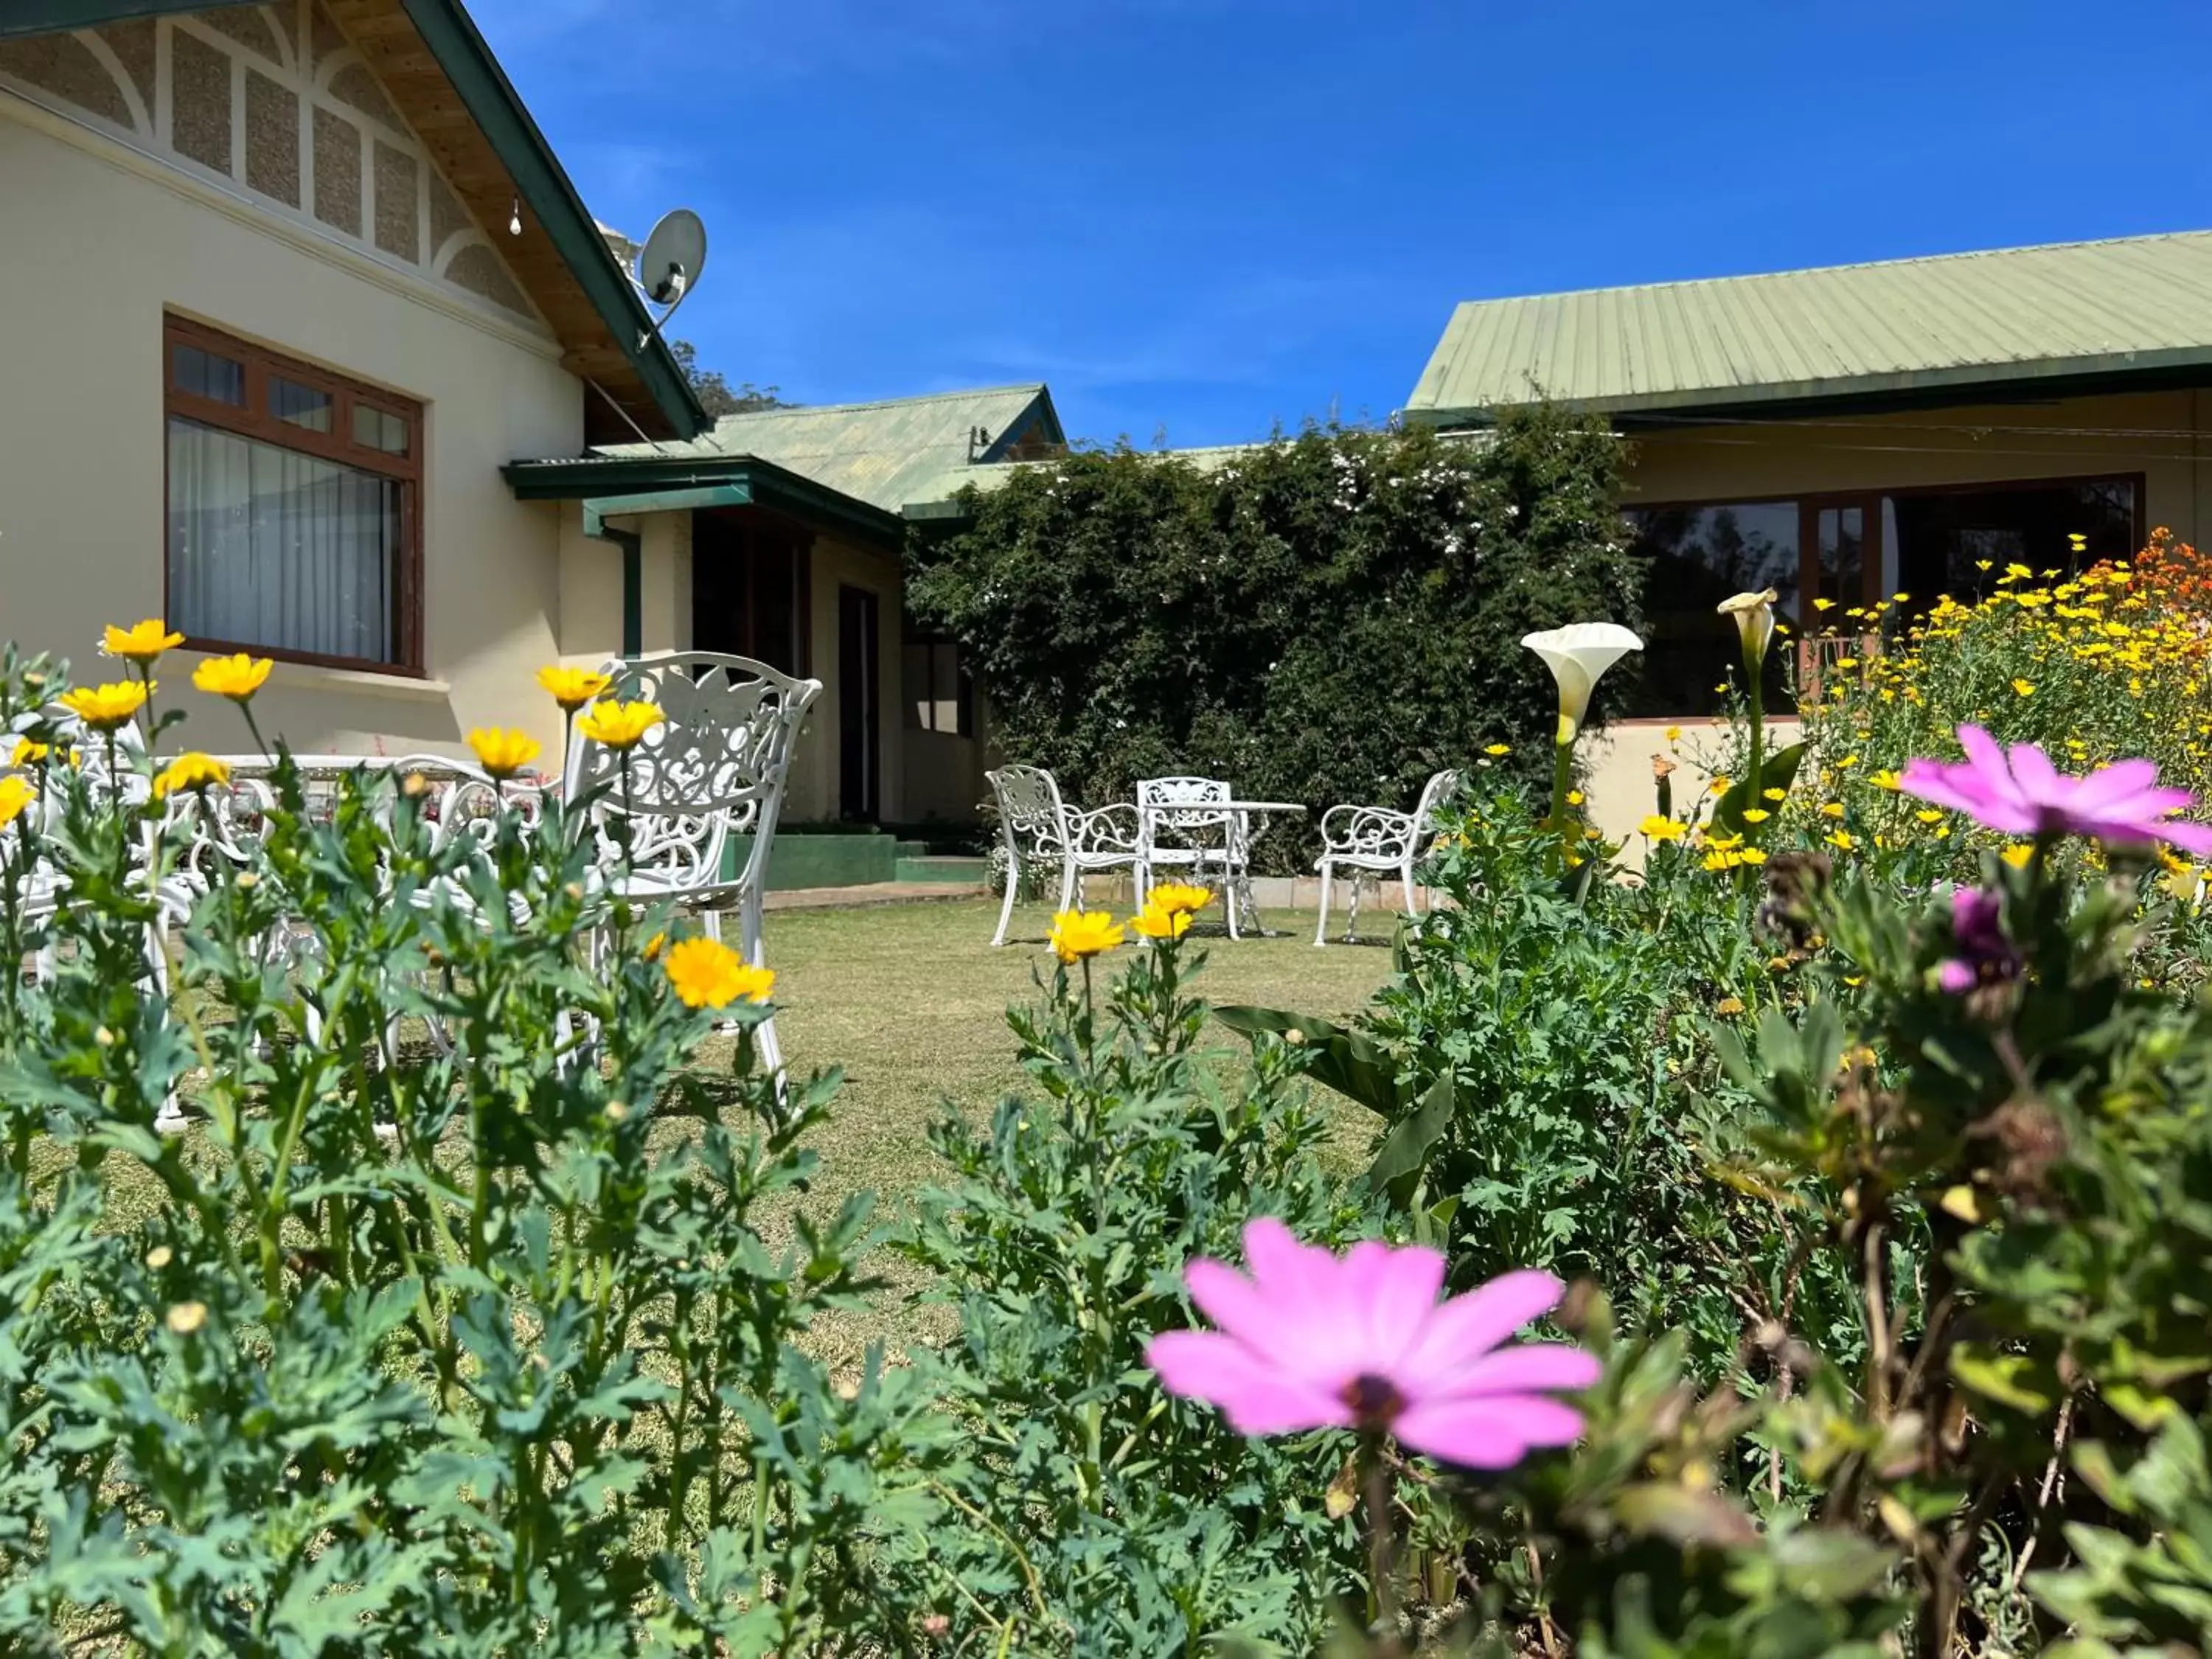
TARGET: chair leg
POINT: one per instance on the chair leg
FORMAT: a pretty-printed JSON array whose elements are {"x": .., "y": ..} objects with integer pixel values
[
  {"x": 1409, "y": 898},
  {"x": 1067, "y": 885},
  {"x": 1320, "y": 922},
  {"x": 1006, "y": 910}
]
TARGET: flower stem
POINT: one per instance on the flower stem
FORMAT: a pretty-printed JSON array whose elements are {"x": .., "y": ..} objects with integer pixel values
[
  {"x": 1754, "y": 673},
  {"x": 1382, "y": 1585}
]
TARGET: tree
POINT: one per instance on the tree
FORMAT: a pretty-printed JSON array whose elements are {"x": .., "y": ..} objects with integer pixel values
[{"x": 713, "y": 389}]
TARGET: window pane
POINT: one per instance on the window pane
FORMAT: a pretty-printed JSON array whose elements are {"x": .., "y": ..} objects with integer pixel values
[
  {"x": 915, "y": 683},
  {"x": 203, "y": 374},
  {"x": 776, "y": 606},
  {"x": 277, "y": 549},
  {"x": 301, "y": 405},
  {"x": 378, "y": 428},
  {"x": 1843, "y": 558},
  {"x": 1959, "y": 542},
  {"x": 944, "y": 686},
  {"x": 1700, "y": 555}
]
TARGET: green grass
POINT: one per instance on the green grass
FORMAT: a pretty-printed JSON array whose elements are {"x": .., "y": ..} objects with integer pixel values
[{"x": 911, "y": 1000}]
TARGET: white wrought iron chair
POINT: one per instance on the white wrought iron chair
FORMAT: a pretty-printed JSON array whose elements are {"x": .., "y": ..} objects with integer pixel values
[
  {"x": 1184, "y": 829},
  {"x": 1040, "y": 829},
  {"x": 714, "y": 773},
  {"x": 1375, "y": 841}
]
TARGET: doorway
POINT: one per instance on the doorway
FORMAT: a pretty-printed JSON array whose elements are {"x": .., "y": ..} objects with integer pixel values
[{"x": 859, "y": 768}]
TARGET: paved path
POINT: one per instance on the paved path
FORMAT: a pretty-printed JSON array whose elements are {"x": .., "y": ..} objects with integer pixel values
[{"x": 877, "y": 892}]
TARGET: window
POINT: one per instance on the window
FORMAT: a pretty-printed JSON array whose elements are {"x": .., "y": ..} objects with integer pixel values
[
  {"x": 1699, "y": 556},
  {"x": 749, "y": 585},
  {"x": 1838, "y": 552},
  {"x": 293, "y": 507},
  {"x": 940, "y": 695}
]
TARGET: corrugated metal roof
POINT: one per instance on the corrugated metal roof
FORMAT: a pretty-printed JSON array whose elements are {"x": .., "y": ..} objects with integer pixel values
[
  {"x": 885, "y": 453},
  {"x": 2134, "y": 303}
]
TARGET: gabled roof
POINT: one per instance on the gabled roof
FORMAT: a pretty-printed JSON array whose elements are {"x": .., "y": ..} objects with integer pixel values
[
  {"x": 887, "y": 452},
  {"x": 437, "y": 68},
  {"x": 2031, "y": 321},
  {"x": 855, "y": 465}
]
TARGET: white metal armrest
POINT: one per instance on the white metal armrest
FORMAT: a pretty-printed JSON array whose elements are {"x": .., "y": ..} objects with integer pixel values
[
  {"x": 1367, "y": 831},
  {"x": 1114, "y": 828}
]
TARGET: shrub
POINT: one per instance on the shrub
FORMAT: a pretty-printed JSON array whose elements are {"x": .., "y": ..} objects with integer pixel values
[
  {"x": 471, "y": 1347},
  {"x": 1134, "y": 1523},
  {"x": 2110, "y": 664},
  {"x": 1327, "y": 617}
]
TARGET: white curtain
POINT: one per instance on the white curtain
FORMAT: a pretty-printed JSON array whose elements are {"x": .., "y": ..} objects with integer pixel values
[{"x": 270, "y": 548}]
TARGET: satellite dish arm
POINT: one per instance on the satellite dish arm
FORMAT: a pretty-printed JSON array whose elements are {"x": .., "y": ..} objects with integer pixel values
[{"x": 676, "y": 280}]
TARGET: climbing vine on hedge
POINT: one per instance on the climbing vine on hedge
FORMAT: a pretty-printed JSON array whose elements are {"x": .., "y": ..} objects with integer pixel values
[{"x": 1329, "y": 616}]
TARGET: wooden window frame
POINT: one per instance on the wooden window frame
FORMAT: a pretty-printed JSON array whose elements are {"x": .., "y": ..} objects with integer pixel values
[
  {"x": 1812, "y": 656},
  {"x": 1810, "y": 505},
  {"x": 253, "y": 421}
]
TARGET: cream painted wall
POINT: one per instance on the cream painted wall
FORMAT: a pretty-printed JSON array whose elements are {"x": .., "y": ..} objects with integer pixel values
[
  {"x": 590, "y": 615},
  {"x": 100, "y": 244},
  {"x": 814, "y": 771},
  {"x": 943, "y": 776},
  {"x": 1620, "y": 788}
]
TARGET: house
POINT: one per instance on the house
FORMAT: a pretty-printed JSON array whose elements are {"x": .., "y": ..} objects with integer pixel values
[
  {"x": 1854, "y": 433},
  {"x": 311, "y": 348},
  {"x": 778, "y": 534}
]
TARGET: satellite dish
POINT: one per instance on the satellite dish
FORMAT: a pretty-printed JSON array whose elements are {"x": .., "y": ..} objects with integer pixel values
[{"x": 669, "y": 266}]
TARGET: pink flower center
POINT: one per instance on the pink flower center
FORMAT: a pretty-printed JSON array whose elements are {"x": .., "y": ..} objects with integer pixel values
[{"x": 1374, "y": 1401}]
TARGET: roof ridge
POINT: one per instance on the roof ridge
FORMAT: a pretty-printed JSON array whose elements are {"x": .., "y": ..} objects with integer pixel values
[
  {"x": 1033, "y": 387},
  {"x": 1849, "y": 264}
]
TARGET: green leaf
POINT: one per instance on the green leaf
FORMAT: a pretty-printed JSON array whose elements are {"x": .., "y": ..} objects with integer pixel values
[
  {"x": 1404, "y": 1152},
  {"x": 2018, "y": 1380},
  {"x": 1353, "y": 1065},
  {"x": 1778, "y": 771}
]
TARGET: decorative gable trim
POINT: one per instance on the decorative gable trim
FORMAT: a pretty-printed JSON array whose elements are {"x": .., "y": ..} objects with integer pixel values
[{"x": 271, "y": 104}]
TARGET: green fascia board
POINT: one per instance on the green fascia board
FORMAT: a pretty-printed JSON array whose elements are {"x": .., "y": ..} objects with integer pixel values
[
  {"x": 1879, "y": 394},
  {"x": 677, "y": 483},
  {"x": 21, "y": 17},
  {"x": 545, "y": 185}
]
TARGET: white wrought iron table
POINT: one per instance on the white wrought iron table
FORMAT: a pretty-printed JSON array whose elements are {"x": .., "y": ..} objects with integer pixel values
[{"x": 1235, "y": 851}]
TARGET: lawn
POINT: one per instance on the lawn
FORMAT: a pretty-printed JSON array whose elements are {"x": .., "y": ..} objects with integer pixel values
[{"x": 910, "y": 998}]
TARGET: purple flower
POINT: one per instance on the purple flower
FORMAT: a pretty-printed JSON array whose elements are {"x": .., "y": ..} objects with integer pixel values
[
  {"x": 2021, "y": 793},
  {"x": 1984, "y": 953},
  {"x": 1311, "y": 1340}
]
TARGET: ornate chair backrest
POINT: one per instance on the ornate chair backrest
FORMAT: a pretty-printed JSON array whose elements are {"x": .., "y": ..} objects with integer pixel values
[
  {"x": 1440, "y": 788},
  {"x": 1031, "y": 815},
  {"x": 715, "y": 769},
  {"x": 1179, "y": 805}
]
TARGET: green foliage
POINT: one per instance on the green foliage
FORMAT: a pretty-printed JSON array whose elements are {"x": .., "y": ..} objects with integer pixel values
[
  {"x": 1131, "y": 1522},
  {"x": 1324, "y": 618},
  {"x": 464, "y": 1349}
]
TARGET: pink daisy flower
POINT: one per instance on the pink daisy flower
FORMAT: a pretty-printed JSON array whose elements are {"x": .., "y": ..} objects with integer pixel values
[
  {"x": 1312, "y": 1341},
  {"x": 2020, "y": 792}
]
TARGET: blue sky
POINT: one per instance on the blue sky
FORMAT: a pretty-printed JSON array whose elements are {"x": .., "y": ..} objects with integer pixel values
[{"x": 1198, "y": 218}]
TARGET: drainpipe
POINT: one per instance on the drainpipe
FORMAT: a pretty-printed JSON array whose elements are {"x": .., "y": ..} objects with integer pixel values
[{"x": 632, "y": 557}]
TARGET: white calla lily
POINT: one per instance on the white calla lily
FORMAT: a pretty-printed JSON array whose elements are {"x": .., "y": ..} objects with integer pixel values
[
  {"x": 1576, "y": 656},
  {"x": 1754, "y": 621}
]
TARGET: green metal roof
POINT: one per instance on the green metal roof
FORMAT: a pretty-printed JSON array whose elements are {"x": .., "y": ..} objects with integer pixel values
[
  {"x": 2018, "y": 321},
  {"x": 611, "y": 486},
  {"x": 885, "y": 453}
]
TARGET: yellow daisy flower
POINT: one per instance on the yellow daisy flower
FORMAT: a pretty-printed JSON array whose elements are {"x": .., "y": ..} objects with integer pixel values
[{"x": 707, "y": 974}]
